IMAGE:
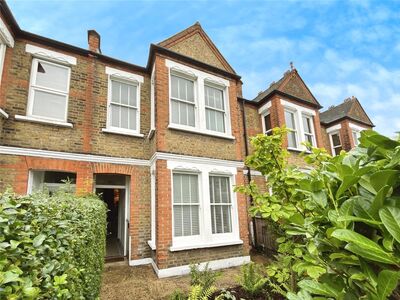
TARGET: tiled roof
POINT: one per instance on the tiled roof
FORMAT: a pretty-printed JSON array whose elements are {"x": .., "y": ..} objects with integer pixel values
[
  {"x": 350, "y": 108},
  {"x": 290, "y": 84}
]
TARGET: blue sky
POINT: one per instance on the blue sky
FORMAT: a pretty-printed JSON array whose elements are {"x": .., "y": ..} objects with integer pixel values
[{"x": 340, "y": 48}]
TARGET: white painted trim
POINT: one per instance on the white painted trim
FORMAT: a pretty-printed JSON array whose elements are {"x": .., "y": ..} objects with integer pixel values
[
  {"x": 122, "y": 132},
  {"x": 130, "y": 81},
  {"x": 200, "y": 131},
  {"x": 200, "y": 80},
  {"x": 195, "y": 72},
  {"x": 33, "y": 86},
  {"x": 152, "y": 101},
  {"x": 3, "y": 113},
  {"x": 252, "y": 172},
  {"x": 43, "y": 121},
  {"x": 124, "y": 75},
  {"x": 333, "y": 128},
  {"x": 140, "y": 262},
  {"x": 205, "y": 245},
  {"x": 265, "y": 108},
  {"x": 298, "y": 107},
  {"x": 331, "y": 141},
  {"x": 214, "y": 265},
  {"x": 72, "y": 156},
  {"x": 152, "y": 245},
  {"x": 196, "y": 159},
  {"x": 5, "y": 34},
  {"x": 50, "y": 55},
  {"x": 356, "y": 127}
]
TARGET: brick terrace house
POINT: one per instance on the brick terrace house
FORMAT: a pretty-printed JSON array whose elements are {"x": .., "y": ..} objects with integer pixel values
[{"x": 163, "y": 144}]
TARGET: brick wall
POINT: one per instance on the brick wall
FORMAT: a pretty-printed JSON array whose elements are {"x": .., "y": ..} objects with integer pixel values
[
  {"x": 187, "y": 143},
  {"x": 87, "y": 110},
  {"x": 14, "y": 172}
]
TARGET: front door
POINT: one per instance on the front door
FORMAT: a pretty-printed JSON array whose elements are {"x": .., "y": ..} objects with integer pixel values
[{"x": 115, "y": 195}]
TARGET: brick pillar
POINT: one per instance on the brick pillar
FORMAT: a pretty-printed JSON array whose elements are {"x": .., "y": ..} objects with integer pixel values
[
  {"x": 243, "y": 215},
  {"x": 163, "y": 213}
]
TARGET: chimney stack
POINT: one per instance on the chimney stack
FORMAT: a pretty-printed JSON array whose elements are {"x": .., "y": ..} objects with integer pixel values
[{"x": 94, "y": 41}]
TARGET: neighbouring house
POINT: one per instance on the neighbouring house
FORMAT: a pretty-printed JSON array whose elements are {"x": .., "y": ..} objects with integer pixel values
[{"x": 163, "y": 144}]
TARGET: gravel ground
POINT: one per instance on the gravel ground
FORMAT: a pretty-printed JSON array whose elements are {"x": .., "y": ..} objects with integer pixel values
[{"x": 121, "y": 282}]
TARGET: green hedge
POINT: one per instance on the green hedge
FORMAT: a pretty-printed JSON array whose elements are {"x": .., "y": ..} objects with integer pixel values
[{"x": 51, "y": 247}]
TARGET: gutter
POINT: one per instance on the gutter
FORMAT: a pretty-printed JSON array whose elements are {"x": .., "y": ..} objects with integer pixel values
[{"x": 246, "y": 151}]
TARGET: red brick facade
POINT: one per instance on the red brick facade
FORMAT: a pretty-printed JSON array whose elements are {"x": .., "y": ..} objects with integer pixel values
[{"x": 84, "y": 145}]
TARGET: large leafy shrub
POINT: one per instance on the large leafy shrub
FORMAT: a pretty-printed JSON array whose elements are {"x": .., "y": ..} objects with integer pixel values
[
  {"x": 339, "y": 224},
  {"x": 51, "y": 247}
]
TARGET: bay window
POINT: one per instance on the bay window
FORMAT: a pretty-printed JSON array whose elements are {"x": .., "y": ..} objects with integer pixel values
[
  {"x": 356, "y": 136},
  {"x": 199, "y": 101},
  {"x": 267, "y": 124},
  {"x": 204, "y": 207}
]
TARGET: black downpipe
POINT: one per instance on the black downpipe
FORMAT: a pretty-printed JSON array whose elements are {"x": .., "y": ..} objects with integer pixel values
[{"x": 246, "y": 151}]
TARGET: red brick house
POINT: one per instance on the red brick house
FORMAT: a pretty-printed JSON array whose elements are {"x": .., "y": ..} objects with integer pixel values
[{"x": 163, "y": 144}]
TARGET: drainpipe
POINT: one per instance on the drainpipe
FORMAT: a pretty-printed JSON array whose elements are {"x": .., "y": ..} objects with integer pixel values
[{"x": 246, "y": 151}]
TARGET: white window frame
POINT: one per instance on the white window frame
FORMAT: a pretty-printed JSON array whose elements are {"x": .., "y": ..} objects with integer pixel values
[
  {"x": 299, "y": 111},
  {"x": 223, "y": 90},
  {"x": 200, "y": 80},
  {"x": 266, "y": 132},
  {"x": 336, "y": 132},
  {"x": 190, "y": 77},
  {"x": 206, "y": 238},
  {"x": 31, "y": 177},
  {"x": 191, "y": 239},
  {"x": 312, "y": 133},
  {"x": 130, "y": 79},
  {"x": 33, "y": 87},
  {"x": 355, "y": 129}
]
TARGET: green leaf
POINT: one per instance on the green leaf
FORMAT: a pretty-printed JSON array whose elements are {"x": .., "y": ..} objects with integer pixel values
[
  {"x": 363, "y": 246},
  {"x": 317, "y": 288},
  {"x": 315, "y": 271},
  {"x": 390, "y": 217},
  {"x": 10, "y": 277},
  {"x": 357, "y": 219},
  {"x": 385, "y": 177},
  {"x": 347, "y": 182},
  {"x": 38, "y": 240},
  {"x": 378, "y": 201},
  {"x": 367, "y": 270},
  {"x": 31, "y": 292},
  {"x": 387, "y": 282},
  {"x": 319, "y": 198},
  {"x": 383, "y": 141}
]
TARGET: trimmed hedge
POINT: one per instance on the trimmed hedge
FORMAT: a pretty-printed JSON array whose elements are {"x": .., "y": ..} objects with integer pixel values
[{"x": 51, "y": 247}]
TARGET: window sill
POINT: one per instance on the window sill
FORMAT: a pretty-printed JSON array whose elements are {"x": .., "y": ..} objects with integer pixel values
[
  {"x": 3, "y": 114},
  {"x": 204, "y": 245},
  {"x": 43, "y": 121},
  {"x": 200, "y": 131},
  {"x": 114, "y": 131},
  {"x": 152, "y": 245}
]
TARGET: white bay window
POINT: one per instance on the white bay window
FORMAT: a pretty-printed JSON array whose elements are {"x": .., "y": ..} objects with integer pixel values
[
  {"x": 199, "y": 101},
  {"x": 204, "y": 208},
  {"x": 291, "y": 125},
  {"x": 308, "y": 129}
]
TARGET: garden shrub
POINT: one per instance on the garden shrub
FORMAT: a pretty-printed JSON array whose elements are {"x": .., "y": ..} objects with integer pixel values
[
  {"x": 339, "y": 223},
  {"x": 252, "y": 279},
  {"x": 51, "y": 247}
]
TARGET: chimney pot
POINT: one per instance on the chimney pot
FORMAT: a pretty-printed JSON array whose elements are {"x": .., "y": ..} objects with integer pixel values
[{"x": 94, "y": 41}]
